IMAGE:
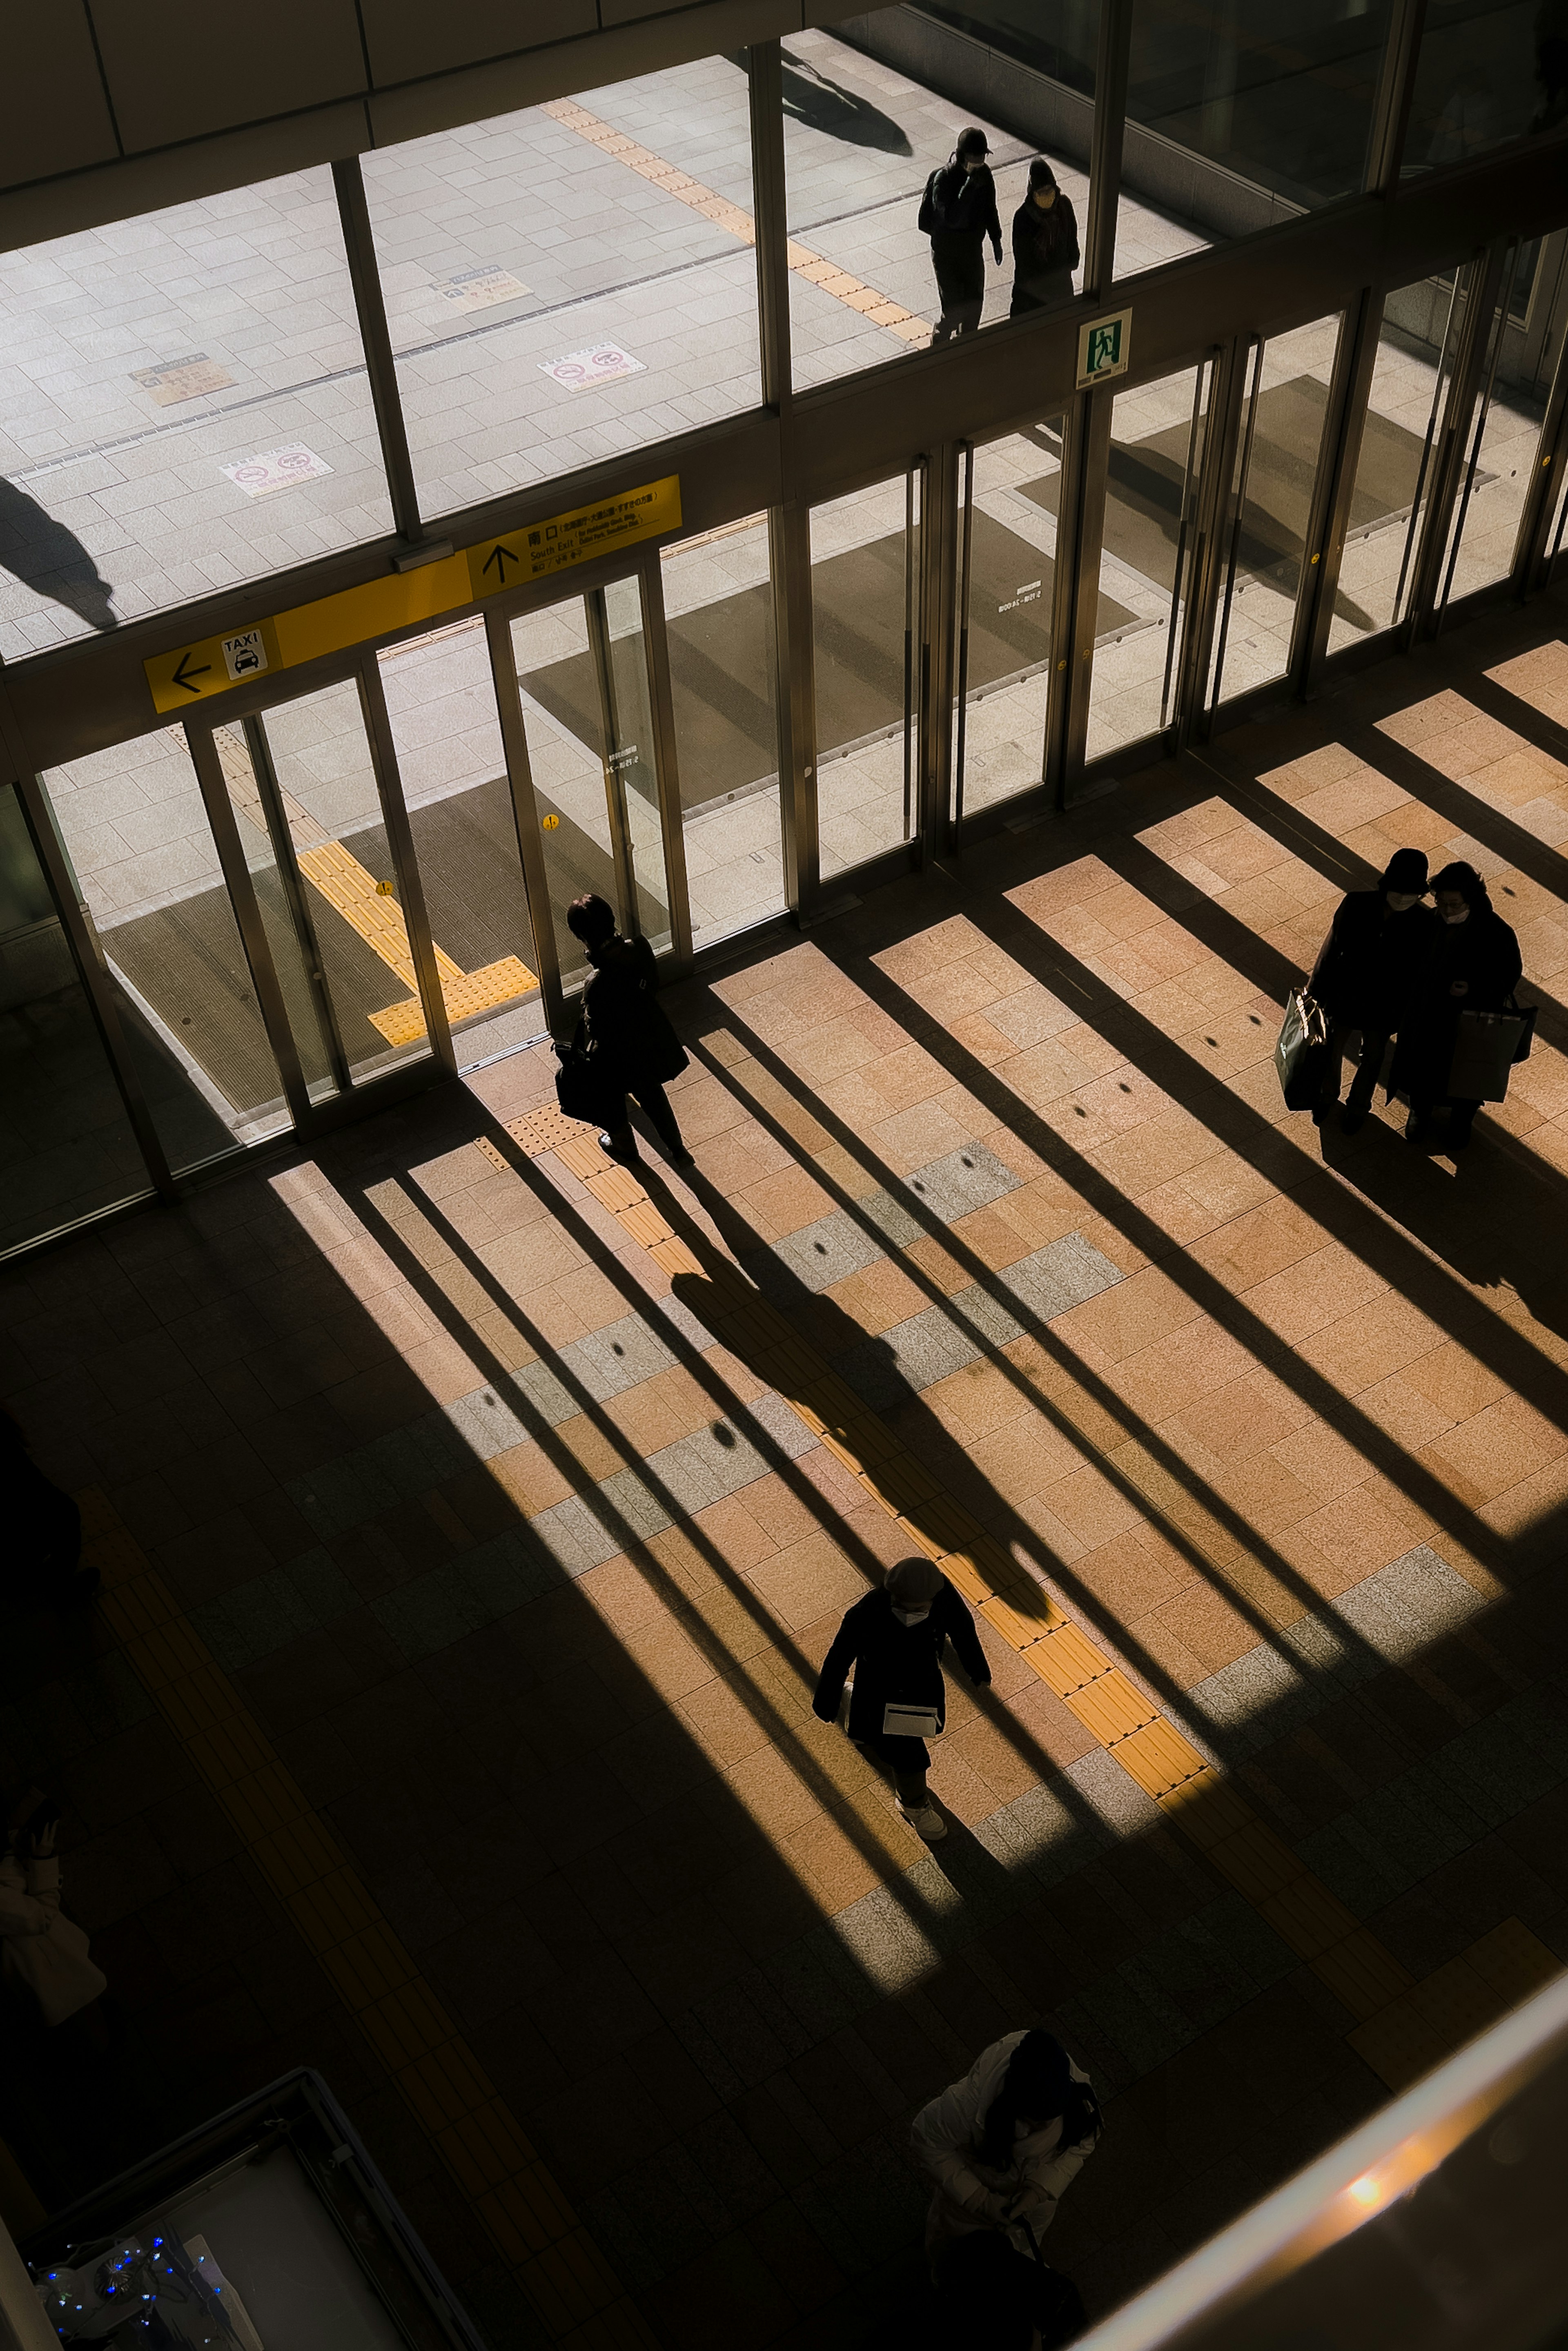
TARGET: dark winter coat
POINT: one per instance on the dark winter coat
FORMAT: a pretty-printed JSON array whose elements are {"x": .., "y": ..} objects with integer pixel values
[
  {"x": 895, "y": 1664},
  {"x": 1045, "y": 254},
  {"x": 1372, "y": 968},
  {"x": 628, "y": 1038},
  {"x": 1484, "y": 954}
]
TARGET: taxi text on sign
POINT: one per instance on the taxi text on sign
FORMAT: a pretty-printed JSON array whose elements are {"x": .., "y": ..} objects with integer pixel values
[{"x": 334, "y": 624}]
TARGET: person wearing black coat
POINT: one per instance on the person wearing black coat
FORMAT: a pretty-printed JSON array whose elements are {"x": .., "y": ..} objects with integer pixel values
[
  {"x": 959, "y": 213},
  {"x": 627, "y": 1041},
  {"x": 1369, "y": 975},
  {"x": 893, "y": 1638},
  {"x": 1475, "y": 969},
  {"x": 1045, "y": 244}
]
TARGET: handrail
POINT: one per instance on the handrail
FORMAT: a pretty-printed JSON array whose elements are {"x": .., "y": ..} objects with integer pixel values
[{"x": 1438, "y": 2226}]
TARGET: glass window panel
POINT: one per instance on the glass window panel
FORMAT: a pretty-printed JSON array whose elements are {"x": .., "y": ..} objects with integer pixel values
[
  {"x": 441, "y": 702},
  {"x": 870, "y": 111},
  {"x": 1270, "y": 534},
  {"x": 1489, "y": 71},
  {"x": 865, "y": 627},
  {"x": 133, "y": 825},
  {"x": 66, "y": 1149},
  {"x": 1256, "y": 113},
  {"x": 596, "y": 809},
  {"x": 1145, "y": 557},
  {"x": 1499, "y": 446},
  {"x": 1395, "y": 467},
  {"x": 567, "y": 281},
  {"x": 367, "y": 996},
  {"x": 718, "y": 611},
  {"x": 185, "y": 405},
  {"x": 1012, "y": 549}
]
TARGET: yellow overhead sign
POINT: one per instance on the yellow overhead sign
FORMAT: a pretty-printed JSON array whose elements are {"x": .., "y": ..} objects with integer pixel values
[{"x": 334, "y": 624}]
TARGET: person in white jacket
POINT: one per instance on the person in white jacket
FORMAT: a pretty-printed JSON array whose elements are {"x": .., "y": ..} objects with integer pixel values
[
  {"x": 1003, "y": 2144},
  {"x": 41, "y": 1950}
]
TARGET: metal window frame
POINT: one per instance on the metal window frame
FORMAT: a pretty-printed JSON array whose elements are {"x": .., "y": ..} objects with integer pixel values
[{"x": 806, "y": 449}]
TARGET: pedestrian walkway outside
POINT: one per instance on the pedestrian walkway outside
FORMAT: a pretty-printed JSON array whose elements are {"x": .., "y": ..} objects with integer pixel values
[{"x": 515, "y": 1542}]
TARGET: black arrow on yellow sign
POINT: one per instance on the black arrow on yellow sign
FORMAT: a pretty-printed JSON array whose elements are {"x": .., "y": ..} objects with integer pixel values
[
  {"x": 182, "y": 678},
  {"x": 500, "y": 557}
]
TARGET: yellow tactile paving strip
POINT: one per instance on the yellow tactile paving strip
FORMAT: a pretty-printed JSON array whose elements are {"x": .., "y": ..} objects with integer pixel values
[
  {"x": 368, "y": 909},
  {"x": 1403, "y": 2027},
  {"x": 345, "y": 884},
  {"x": 535, "y": 2229},
  {"x": 879, "y": 308}
]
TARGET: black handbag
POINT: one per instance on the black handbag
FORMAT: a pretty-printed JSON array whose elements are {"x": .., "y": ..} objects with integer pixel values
[
  {"x": 581, "y": 1090},
  {"x": 1301, "y": 1055},
  {"x": 1527, "y": 1013}
]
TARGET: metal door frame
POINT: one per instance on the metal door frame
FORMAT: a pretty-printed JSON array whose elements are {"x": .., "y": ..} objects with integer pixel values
[{"x": 354, "y": 1097}]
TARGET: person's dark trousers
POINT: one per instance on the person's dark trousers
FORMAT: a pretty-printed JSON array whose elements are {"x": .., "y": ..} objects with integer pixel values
[
  {"x": 961, "y": 283},
  {"x": 1363, "y": 1085},
  {"x": 654, "y": 1104}
]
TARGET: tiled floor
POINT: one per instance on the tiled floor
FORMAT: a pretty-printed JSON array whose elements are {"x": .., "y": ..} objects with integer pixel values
[{"x": 518, "y": 1542}]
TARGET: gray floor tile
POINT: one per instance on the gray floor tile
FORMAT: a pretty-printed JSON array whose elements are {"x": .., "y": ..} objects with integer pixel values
[
  {"x": 1063, "y": 1274},
  {"x": 821, "y": 1254},
  {"x": 970, "y": 1177}
]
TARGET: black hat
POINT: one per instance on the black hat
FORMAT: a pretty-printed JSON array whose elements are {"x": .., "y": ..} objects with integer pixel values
[
  {"x": 1407, "y": 869},
  {"x": 973, "y": 142}
]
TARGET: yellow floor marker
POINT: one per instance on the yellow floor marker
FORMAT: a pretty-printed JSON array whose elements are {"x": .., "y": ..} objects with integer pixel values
[
  {"x": 371, "y": 910},
  {"x": 535, "y": 2229},
  {"x": 879, "y": 308},
  {"x": 1403, "y": 2027}
]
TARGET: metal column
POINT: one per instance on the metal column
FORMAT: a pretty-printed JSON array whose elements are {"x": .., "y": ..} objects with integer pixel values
[
  {"x": 405, "y": 865},
  {"x": 525, "y": 817}
]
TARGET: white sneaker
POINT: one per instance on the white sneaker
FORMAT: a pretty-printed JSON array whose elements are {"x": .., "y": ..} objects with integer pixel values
[{"x": 926, "y": 1821}]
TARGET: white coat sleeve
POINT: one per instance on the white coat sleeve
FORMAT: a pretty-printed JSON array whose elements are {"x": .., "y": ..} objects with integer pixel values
[
  {"x": 1045, "y": 2179},
  {"x": 944, "y": 2133},
  {"x": 29, "y": 1896}
]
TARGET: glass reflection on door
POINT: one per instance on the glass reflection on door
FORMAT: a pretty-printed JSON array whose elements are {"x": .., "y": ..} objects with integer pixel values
[
  {"x": 303, "y": 788},
  {"x": 1006, "y": 583},
  {"x": 67, "y": 1148},
  {"x": 582, "y": 677},
  {"x": 865, "y": 634},
  {"x": 1398, "y": 460},
  {"x": 446, "y": 732},
  {"x": 1266, "y": 521},
  {"x": 719, "y": 605},
  {"x": 1501, "y": 442},
  {"x": 134, "y": 827},
  {"x": 1148, "y": 556}
]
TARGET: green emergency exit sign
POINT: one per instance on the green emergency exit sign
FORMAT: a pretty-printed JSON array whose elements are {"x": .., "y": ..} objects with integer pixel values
[{"x": 1104, "y": 346}]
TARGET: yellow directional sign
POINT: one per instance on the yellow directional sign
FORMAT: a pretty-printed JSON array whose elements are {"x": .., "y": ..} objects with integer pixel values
[
  {"x": 178, "y": 680},
  {"x": 542, "y": 548}
]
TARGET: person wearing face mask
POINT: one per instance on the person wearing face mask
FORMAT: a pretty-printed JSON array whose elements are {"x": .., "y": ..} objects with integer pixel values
[
  {"x": 1476, "y": 969},
  {"x": 893, "y": 1639},
  {"x": 1369, "y": 976},
  {"x": 1045, "y": 244},
  {"x": 957, "y": 213}
]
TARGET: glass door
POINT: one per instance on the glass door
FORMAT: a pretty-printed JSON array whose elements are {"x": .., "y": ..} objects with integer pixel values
[
  {"x": 867, "y": 645},
  {"x": 310, "y": 822},
  {"x": 1149, "y": 556},
  {"x": 598, "y": 775},
  {"x": 1266, "y": 518},
  {"x": 1007, "y": 578}
]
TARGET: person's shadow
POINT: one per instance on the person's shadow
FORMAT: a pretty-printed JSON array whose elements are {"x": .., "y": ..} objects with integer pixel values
[
  {"x": 51, "y": 560},
  {"x": 828, "y": 106}
]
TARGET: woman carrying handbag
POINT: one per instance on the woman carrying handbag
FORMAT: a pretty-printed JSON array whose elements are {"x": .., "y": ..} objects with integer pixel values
[
  {"x": 624, "y": 1044},
  {"x": 893, "y": 1638}
]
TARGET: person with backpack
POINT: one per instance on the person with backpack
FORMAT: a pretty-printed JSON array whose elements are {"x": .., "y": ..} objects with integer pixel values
[
  {"x": 1045, "y": 244},
  {"x": 624, "y": 1044},
  {"x": 959, "y": 213},
  {"x": 1005, "y": 2143}
]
